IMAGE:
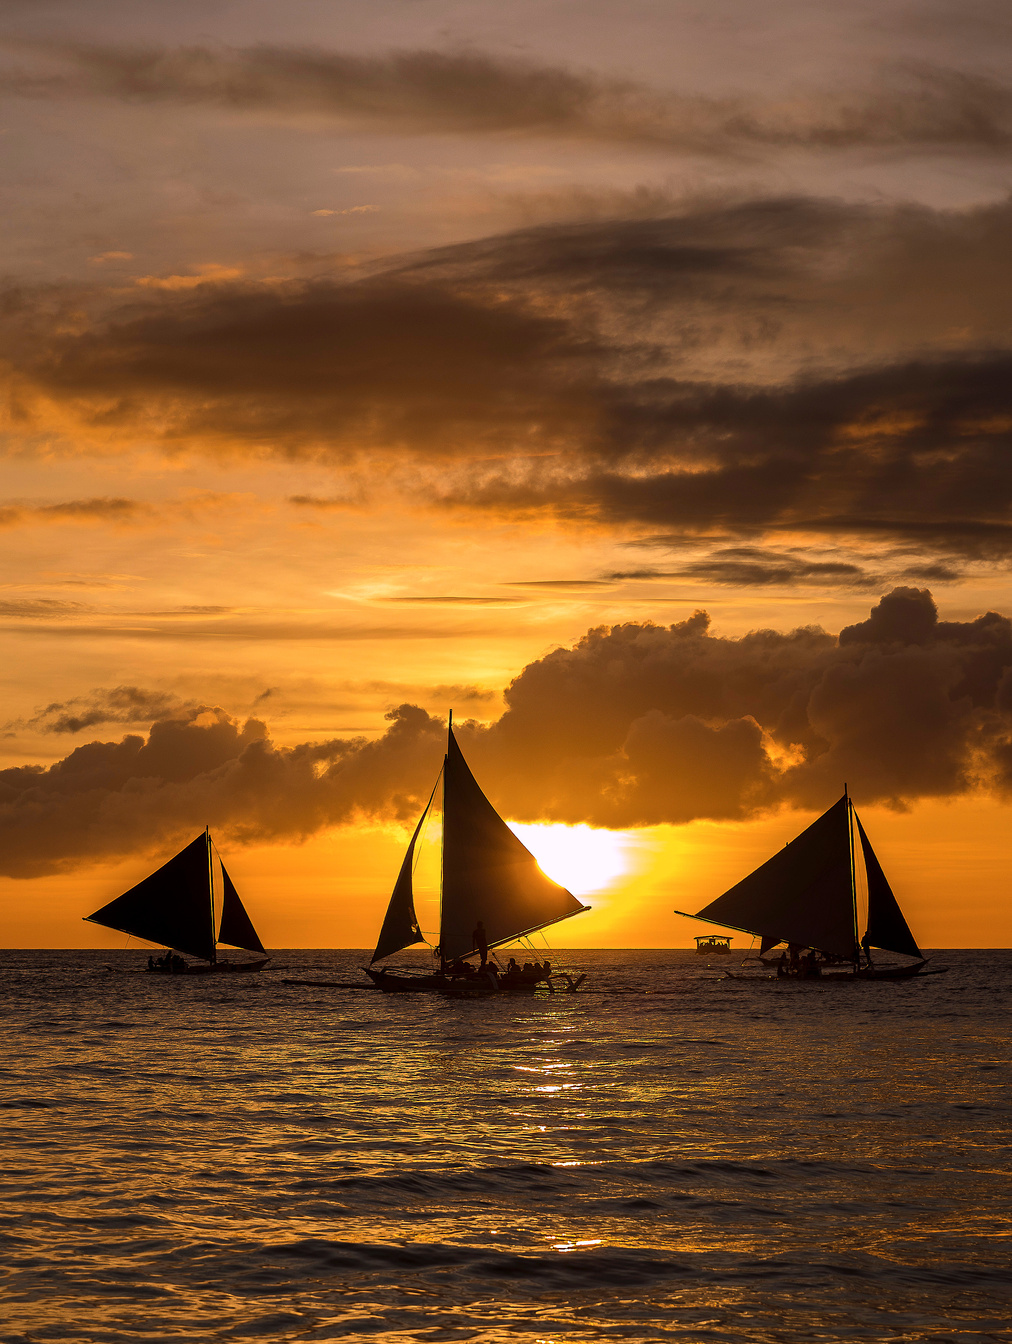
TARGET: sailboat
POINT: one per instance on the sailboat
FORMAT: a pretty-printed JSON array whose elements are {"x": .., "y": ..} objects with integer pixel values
[
  {"x": 492, "y": 892},
  {"x": 175, "y": 906},
  {"x": 806, "y": 896}
]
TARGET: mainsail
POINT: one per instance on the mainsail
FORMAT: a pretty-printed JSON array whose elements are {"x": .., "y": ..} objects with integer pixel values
[
  {"x": 488, "y": 875},
  {"x": 806, "y": 894},
  {"x": 175, "y": 906}
]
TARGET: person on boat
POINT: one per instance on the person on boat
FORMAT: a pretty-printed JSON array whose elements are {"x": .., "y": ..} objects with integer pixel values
[
  {"x": 151, "y": 963},
  {"x": 783, "y": 970},
  {"x": 480, "y": 940}
]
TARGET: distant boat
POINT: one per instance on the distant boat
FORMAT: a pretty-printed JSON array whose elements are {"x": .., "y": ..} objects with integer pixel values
[
  {"x": 711, "y": 944},
  {"x": 175, "y": 907},
  {"x": 806, "y": 896},
  {"x": 492, "y": 891}
]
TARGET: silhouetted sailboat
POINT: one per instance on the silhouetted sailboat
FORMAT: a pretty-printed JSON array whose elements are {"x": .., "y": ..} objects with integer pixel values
[
  {"x": 806, "y": 896},
  {"x": 175, "y": 907},
  {"x": 492, "y": 889}
]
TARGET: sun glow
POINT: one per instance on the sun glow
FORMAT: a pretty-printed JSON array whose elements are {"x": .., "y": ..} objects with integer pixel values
[{"x": 581, "y": 858}]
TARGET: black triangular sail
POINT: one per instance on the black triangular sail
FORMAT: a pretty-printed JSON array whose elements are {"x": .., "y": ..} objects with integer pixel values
[
  {"x": 887, "y": 928},
  {"x": 488, "y": 874},
  {"x": 804, "y": 894},
  {"x": 171, "y": 907},
  {"x": 400, "y": 925},
  {"x": 236, "y": 927}
]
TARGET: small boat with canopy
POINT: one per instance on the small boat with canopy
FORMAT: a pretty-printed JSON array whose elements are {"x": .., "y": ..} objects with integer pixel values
[
  {"x": 492, "y": 892},
  {"x": 188, "y": 905},
  {"x": 807, "y": 896},
  {"x": 710, "y": 944}
]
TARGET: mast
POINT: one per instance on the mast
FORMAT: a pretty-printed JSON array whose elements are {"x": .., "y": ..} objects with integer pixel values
[
  {"x": 210, "y": 892},
  {"x": 442, "y": 842},
  {"x": 853, "y": 872}
]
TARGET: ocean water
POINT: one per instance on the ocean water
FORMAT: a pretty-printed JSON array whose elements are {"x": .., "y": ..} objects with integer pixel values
[{"x": 672, "y": 1156}]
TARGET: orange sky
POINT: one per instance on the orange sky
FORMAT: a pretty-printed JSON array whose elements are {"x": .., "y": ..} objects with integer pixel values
[{"x": 357, "y": 358}]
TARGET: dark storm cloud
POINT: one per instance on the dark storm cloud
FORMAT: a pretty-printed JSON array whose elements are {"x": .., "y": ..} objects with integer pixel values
[
  {"x": 425, "y": 92},
  {"x": 635, "y": 725},
  {"x": 651, "y": 375}
]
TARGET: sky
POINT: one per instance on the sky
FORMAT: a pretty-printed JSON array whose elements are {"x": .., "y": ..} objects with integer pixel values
[{"x": 633, "y": 379}]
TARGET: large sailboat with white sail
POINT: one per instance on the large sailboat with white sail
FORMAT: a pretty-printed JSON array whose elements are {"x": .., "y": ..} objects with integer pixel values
[
  {"x": 492, "y": 893},
  {"x": 188, "y": 905},
  {"x": 807, "y": 896}
]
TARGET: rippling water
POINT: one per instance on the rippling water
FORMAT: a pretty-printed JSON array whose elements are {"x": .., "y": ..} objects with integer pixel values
[{"x": 671, "y": 1156}]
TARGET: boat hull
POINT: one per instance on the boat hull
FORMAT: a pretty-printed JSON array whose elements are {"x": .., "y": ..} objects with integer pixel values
[
  {"x": 873, "y": 973},
  {"x": 219, "y": 968}
]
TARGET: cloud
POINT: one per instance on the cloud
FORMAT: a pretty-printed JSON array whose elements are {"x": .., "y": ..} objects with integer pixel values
[
  {"x": 211, "y": 273},
  {"x": 635, "y": 725},
  {"x": 203, "y": 767},
  {"x": 466, "y": 601},
  {"x": 317, "y": 367},
  {"x": 653, "y": 376},
  {"x": 752, "y": 566},
  {"x": 120, "y": 704},
  {"x": 41, "y": 608},
  {"x": 103, "y": 510},
  {"x": 564, "y": 585},
  {"x": 468, "y": 92},
  {"x": 352, "y": 210}
]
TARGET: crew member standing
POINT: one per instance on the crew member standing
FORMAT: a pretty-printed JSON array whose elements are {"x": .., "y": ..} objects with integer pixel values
[{"x": 480, "y": 940}]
